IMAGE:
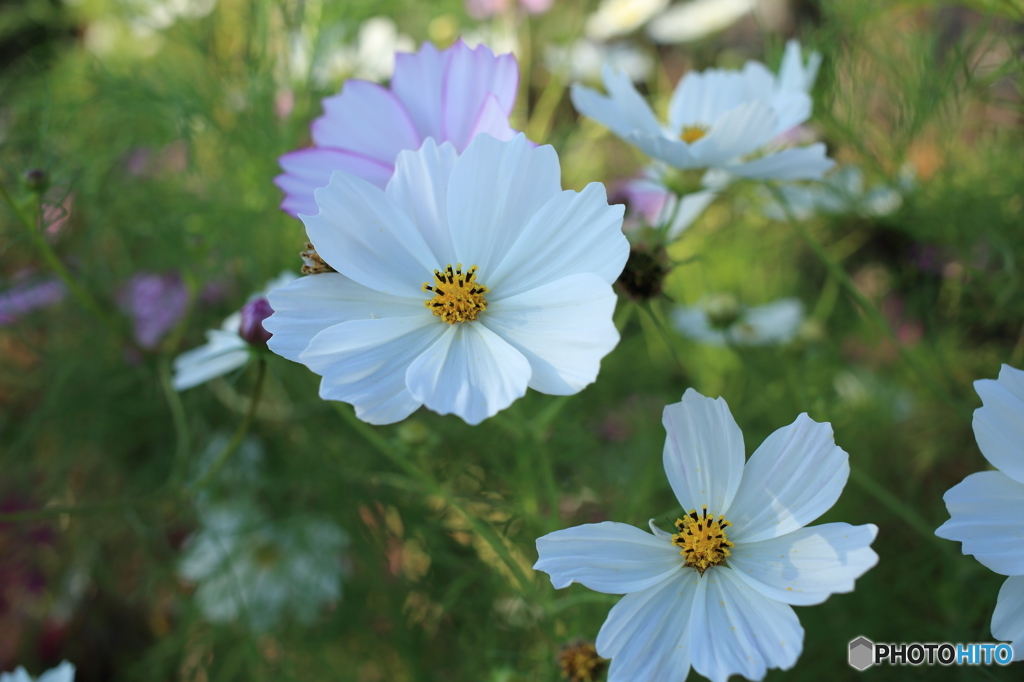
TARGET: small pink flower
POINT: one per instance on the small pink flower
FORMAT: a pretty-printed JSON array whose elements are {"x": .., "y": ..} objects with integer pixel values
[
  {"x": 155, "y": 303},
  {"x": 449, "y": 95}
]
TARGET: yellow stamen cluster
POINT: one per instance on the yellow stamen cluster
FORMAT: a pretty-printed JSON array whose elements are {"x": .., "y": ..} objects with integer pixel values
[
  {"x": 579, "y": 661},
  {"x": 691, "y": 134},
  {"x": 458, "y": 297},
  {"x": 702, "y": 539}
]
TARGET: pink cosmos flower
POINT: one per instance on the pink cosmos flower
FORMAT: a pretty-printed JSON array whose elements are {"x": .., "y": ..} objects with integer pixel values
[
  {"x": 482, "y": 9},
  {"x": 155, "y": 303},
  {"x": 449, "y": 95},
  {"x": 29, "y": 294}
]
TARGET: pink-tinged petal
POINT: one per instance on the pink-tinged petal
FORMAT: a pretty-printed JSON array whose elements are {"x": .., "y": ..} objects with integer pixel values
[
  {"x": 418, "y": 82},
  {"x": 364, "y": 236},
  {"x": 563, "y": 329},
  {"x": 309, "y": 305},
  {"x": 364, "y": 362},
  {"x": 471, "y": 75},
  {"x": 609, "y": 557},
  {"x": 368, "y": 120},
  {"x": 495, "y": 190},
  {"x": 493, "y": 121},
  {"x": 420, "y": 188},
  {"x": 793, "y": 477},
  {"x": 1008, "y": 618},
  {"x": 536, "y": 6},
  {"x": 704, "y": 453},
  {"x": 574, "y": 232},
  {"x": 999, "y": 422},
  {"x": 646, "y": 633},
  {"x": 800, "y": 163},
  {"x": 469, "y": 371},
  {"x": 307, "y": 170},
  {"x": 808, "y": 565},
  {"x": 735, "y": 630},
  {"x": 986, "y": 512}
]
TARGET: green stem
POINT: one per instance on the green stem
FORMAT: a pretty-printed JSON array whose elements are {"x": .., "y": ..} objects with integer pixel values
[
  {"x": 401, "y": 458},
  {"x": 55, "y": 264},
  {"x": 181, "y": 431},
  {"x": 663, "y": 332},
  {"x": 898, "y": 507},
  {"x": 544, "y": 111},
  {"x": 240, "y": 432},
  {"x": 862, "y": 301}
]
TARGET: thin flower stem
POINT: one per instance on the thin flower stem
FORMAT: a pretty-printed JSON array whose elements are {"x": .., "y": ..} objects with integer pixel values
[
  {"x": 181, "y": 430},
  {"x": 78, "y": 509},
  {"x": 863, "y": 302},
  {"x": 240, "y": 432},
  {"x": 539, "y": 126},
  {"x": 55, "y": 264},
  {"x": 663, "y": 331},
  {"x": 897, "y": 506},
  {"x": 400, "y": 457}
]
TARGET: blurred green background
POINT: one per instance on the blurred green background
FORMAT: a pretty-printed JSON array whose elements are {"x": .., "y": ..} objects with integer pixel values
[{"x": 157, "y": 125}]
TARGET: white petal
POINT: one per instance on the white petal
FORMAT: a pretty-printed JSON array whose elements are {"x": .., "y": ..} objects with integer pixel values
[
  {"x": 736, "y": 630},
  {"x": 800, "y": 163},
  {"x": 675, "y": 153},
  {"x": 701, "y": 98},
  {"x": 574, "y": 232},
  {"x": 420, "y": 188},
  {"x": 793, "y": 75},
  {"x": 614, "y": 558},
  {"x": 469, "y": 371},
  {"x": 692, "y": 206},
  {"x": 794, "y": 477},
  {"x": 773, "y": 323},
  {"x": 495, "y": 189},
  {"x": 737, "y": 132},
  {"x": 704, "y": 453},
  {"x": 309, "y": 305},
  {"x": 806, "y": 566},
  {"x": 1008, "y": 618},
  {"x": 634, "y": 109},
  {"x": 646, "y": 635},
  {"x": 65, "y": 672},
  {"x": 693, "y": 20},
  {"x": 225, "y": 351},
  {"x": 693, "y": 323},
  {"x": 601, "y": 108},
  {"x": 986, "y": 512},
  {"x": 364, "y": 236},
  {"x": 364, "y": 363},
  {"x": 563, "y": 329},
  {"x": 999, "y": 423},
  {"x": 791, "y": 109}
]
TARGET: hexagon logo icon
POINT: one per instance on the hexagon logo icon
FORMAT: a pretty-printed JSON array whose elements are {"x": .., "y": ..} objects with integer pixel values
[{"x": 862, "y": 653}]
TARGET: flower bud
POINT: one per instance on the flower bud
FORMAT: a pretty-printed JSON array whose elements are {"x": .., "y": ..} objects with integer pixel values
[
  {"x": 251, "y": 327},
  {"x": 36, "y": 180},
  {"x": 723, "y": 310}
]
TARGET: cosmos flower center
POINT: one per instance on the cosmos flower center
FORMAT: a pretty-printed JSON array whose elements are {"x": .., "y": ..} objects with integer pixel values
[
  {"x": 691, "y": 134},
  {"x": 458, "y": 297},
  {"x": 702, "y": 539}
]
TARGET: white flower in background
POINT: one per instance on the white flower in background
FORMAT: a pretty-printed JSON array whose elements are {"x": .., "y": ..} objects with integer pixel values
[
  {"x": 717, "y": 593},
  {"x": 720, "y": 320},
  {"x": 251, "y": 569},
  {"x": 987, "y": 508},
  {"x": 795, "y": 73},
  {"x": 583, "y": 60},
  {"x": 65, "y": 672},
  {"x": 468, "y": 279},
  {"x": 716, "y": 119},
  {"x": 371, "y": 56},
  {"x": 840, "y": 193},
  {"x": 228, "y": 348},
  {"x": 499, "y": 36},
  {"x": 618, "y": 17},
  {"x": 157, "y": 15},
  {"x": 650, "y": 201},
  {"x": 689, "y": 21}
]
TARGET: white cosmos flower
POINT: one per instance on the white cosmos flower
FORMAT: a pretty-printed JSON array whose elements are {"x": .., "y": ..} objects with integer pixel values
[
  {"x": 226, "y": 349},
  {"x": 688, "y": 21},
  {"x": 250, "y": 568},
  {"x": 717, "y": 594},
  {"x": 532, "y": 306},
  {"x": 65, "y": 672},
  {"x": 842, "y": 192},
  {"x": 720, "y": 320},
  {"x": 716, "y": 119},
  {"x": 618, "y": 17},
  {"x": 986, "y": 509}
]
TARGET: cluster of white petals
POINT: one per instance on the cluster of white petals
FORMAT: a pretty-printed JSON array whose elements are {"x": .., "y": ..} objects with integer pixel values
[
  {"x": 773, "y": 323},
  {"x": 65, "y": 672},
  {"x": 729, "y": 120},
  {"x": 987, "y": 508},
  {"x": 735, "y": 617},
  {"x": 547, "y": 258}
]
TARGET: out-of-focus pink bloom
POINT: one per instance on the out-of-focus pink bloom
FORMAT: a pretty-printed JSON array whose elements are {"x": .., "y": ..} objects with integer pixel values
[
  {"x": 449, "y": 95},
  {"x": 138, "y": 161},
  {"x": 284, "y": 103},
  {"x": 155, "y": 303},
  {"x": 28, "y": 296},
  {"x": 482, "y": 9},
  {"x": 55, "y": 216}
]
